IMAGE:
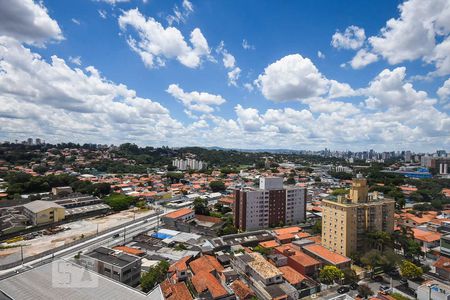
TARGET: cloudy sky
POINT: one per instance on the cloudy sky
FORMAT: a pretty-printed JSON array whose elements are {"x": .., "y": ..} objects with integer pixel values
[{"x": 346, "y": 75}]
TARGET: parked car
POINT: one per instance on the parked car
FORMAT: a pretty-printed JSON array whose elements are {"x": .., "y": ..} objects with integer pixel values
[
  {"x": 394, "y": 273},
  {"x": 377, "y": 278},
  {"x": 343, "y": 289},
  {"x": 116, "y": 235},
  {"x": 384, "y": 288},
  {"x": 403, "y": 280}
]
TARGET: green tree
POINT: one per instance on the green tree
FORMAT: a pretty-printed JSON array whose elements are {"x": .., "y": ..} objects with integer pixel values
[
  {"x": 262, "y": 250},
  {"x": 119, "y": 202},
  {"x": 330, "y": 274},
  {"x": 217, "y": 186},
  {"x": 372, "y": 259},
  {"x": 155, "y": 275},
  {"x": 290, "y": 180},
  {"x": 365, "y": 291},
  {"x": 201, "y": 206},
  {"x": 409, "y": 270},
  {"x": 317, "y": 227}
]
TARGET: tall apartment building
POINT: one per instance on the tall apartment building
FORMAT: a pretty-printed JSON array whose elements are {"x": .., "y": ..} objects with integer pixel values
[
  {"x": 346, "y": 220},
  {"x": 189, "y": 163},
  {"x": 270, "y": 205}
]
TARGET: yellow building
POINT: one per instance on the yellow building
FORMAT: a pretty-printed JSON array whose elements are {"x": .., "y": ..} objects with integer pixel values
[
  {"x": 346, "y": 220},
  {"x": 43, "y": 212}
]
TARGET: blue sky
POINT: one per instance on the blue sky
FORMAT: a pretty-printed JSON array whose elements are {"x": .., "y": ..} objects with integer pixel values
[{"x": 347, "y": 75}]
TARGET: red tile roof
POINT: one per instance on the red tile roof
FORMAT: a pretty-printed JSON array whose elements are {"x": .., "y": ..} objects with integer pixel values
[
  {"x": 177, "y": 291},
  {"x": 292, "y": 276},
  {"x": 242, "y": 290},
  {"x": 205, "y": 263},
  {"x": 269, "y": 244},
  {"x": 179, "y": 265},
  {"x": 293, "y": 229},
  {"x": 326, "y": 254},
  {"x": 426, "y": 236},
  {"x": 179, "y": 213},
  {"x": 443, "y": 263},
  {"x": 130, "y": 250},
  {"x": 203, "y": 281}
]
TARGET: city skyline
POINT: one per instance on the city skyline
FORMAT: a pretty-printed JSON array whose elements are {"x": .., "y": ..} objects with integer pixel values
[{"x": 245, "y": 75}]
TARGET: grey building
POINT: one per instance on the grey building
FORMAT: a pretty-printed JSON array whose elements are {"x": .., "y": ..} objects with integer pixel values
[{"x": 117, "y": 265}]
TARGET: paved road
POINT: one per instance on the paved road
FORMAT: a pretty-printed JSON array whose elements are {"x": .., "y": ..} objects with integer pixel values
[{"x": 102, "y": 239}]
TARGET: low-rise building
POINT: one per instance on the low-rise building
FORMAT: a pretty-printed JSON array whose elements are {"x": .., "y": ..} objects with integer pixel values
[
  {"x": 114, "y": 264},
  {"x": 433, "y": 290},
  {"x": 183, "y": 215},
  {"x": 327, "y": 257},
  {"x": 43, "y": 212}
]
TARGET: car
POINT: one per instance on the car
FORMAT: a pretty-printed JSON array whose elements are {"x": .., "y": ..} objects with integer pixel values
[
  {"x": 343, "y": 289},
  {"x": 394, "y": 273},
  {"x": 403, "y": 281},
  {"x": 116, "y": 235},
  {"x": 354, "y": 286},
  {"x": 384, "y": 290},
  {"x": 377, "y": 278}
]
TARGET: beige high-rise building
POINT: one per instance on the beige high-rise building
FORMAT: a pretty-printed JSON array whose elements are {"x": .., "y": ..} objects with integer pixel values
[{"x": 347, "y": 219}]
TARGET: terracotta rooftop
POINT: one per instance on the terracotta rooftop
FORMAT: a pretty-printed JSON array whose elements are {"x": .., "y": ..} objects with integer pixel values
[
  {"x": 293, "y": 229},
  {"x": 326, "y": 254},
  {"x": 426, "y": 236},
  {"x": 175, "y": 291},
  {"x": 241, "y": 290},
  {"x": 443, "y": 263},
  {"x": 292, "y": 276},
  {"x": 179, "y": 213},
  {"x": 179, "y": 265},
  {"x": 130, "y": 250},
  {"x": 203, "y": 281},
  {"x": 205, "y": 263},
  {"x": 304, "y": 259},
  {"x": 269, "y": 244}
]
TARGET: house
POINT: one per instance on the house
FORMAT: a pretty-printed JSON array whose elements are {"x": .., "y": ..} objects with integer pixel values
[
  {"x": 183, "y": 215},
  {"x": 206, "y": 280},
  {"x": 258, "y": 268},
  {"x": 442, "y": 266},
  {"x": 43, "y": 212},
  {"x": 241, "y": 290},
  {"x": 433, "y": 290},
  {"x": 179, "y": 269},
  {"x": 427, "y": 239},
  {"x": 299, "y": 261},
  {"x": 175, "y": 291},
  {"x": 293, "y": 277},
  {"x": 327, "y": 257}
]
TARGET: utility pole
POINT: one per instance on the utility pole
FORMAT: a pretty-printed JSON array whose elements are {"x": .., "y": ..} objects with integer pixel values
[
  {"x": 21, "y": 253},
  {"x": 124, "y": 234}
]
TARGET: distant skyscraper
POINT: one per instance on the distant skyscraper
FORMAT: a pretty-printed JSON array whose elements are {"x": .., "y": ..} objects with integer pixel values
[
  {"x": 408, "y": 156},
  {"x": 38, "y": 141},
  {"x": 30, "y": 141}
]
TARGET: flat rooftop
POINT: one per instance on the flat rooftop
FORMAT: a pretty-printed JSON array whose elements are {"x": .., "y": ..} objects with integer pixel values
[
  {"x": 41, "y": 283},
  {"x": 113, "y": 257}
]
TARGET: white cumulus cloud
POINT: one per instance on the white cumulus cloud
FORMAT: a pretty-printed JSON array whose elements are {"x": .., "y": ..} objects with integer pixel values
[{"x": 155, "y": 44}]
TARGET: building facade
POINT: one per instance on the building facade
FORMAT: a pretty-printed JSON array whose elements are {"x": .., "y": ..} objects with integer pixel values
[
  {"x": 43, "y": 212},
  {"x": 114, "y": 264},
  {"x": 188, "y": 164},
  {"x": 347, "y": 220},
  {"x": 270, "y": 205}
]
